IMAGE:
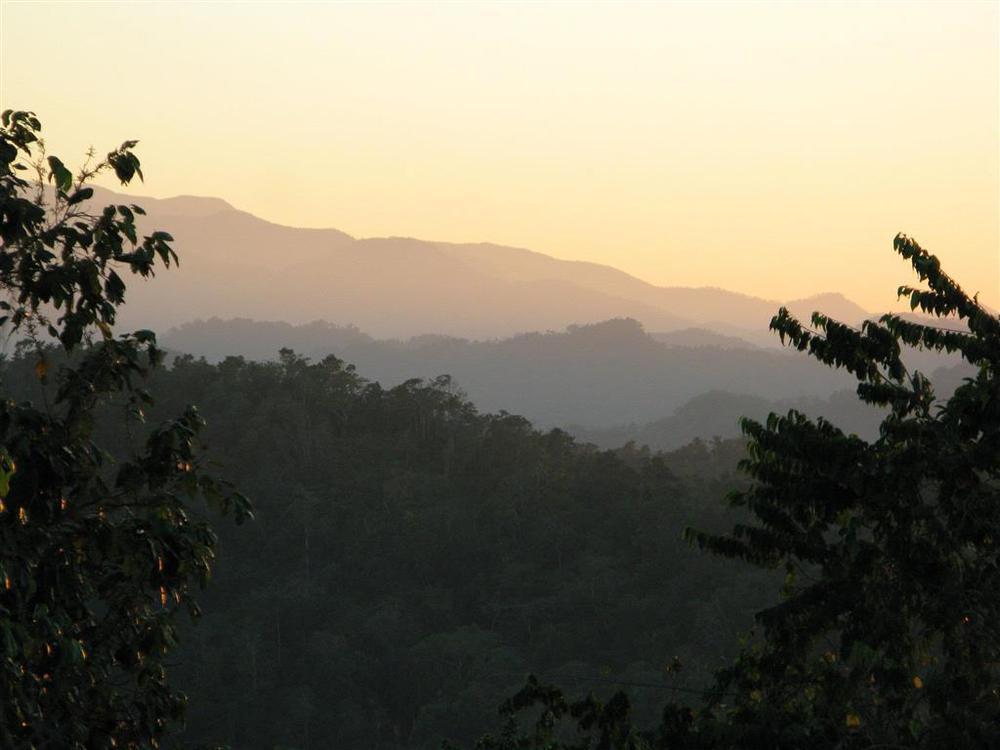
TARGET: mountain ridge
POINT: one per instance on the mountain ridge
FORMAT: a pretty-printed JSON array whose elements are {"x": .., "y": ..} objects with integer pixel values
[{"x": 235, "y": 264}]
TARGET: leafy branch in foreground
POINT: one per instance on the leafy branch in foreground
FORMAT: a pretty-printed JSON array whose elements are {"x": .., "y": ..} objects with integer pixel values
[
  {"x": 887, "y": 634},
  {"x": 97, "y": 555}
]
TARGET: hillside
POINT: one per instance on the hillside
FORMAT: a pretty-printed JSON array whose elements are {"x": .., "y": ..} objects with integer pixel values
[
  {"x": 595, "y": 375},
  {"x": 717, "y": 413}
]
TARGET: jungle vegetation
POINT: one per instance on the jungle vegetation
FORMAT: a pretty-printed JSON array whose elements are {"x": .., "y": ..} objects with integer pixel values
[{"x": 413, "y": 559}]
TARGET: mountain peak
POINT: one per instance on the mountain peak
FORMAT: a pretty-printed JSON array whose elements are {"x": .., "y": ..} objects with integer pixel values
[
  {"x": 179, "y": 205},
  {"x": 833, "y": 304},
  {"x": 194, "y": 205}
]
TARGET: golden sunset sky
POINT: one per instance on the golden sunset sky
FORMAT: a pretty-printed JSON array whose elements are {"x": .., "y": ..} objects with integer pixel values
[{"x": 773, "y": 149}]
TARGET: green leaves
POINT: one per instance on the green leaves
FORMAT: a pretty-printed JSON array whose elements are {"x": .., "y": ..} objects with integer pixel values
[
  {"x": 87, "y": 611},
  {"x": 125, "y": 163},
  {"x": 888, "y": 531},
  {"x": 83, "y": 281},
  {"x": 62, "y": 176},
  {"x": 80, "y": 196},
  {"x": 889, "y": 549},
  {"x": 7, "y": 469}
]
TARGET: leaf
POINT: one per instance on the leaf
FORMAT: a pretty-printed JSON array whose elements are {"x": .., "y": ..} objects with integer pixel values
[
  {"x": 80, "y": 195},
  {"x": 7, "y": 469},
  {"x": 62, "y": 176},
  {"x": 41, "y": 368},
  {"x": 123, "y": 165}
]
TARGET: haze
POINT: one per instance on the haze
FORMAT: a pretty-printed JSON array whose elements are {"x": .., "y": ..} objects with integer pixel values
[
  {"x": 475, "y": 304},
  {"x": 770, "y": 149}
]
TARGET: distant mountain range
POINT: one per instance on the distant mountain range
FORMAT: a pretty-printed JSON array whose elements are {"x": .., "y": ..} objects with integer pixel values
[
  {"x": 717, "y": 414},
  {"x": 400, "y": 308},
  {"x": 703, "y": 337},
  {"x": 234, "y": 264},
  {"x": 595, "y": 376}
]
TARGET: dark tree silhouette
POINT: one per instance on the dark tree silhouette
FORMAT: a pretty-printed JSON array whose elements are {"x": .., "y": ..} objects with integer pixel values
[
  {"x": 97, "y": 556},
  {"x": 887, "y": 634}
]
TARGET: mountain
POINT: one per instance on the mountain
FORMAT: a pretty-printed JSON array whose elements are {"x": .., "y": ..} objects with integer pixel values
[
  {"x": 831, "y": 304},
  {"x": 234, "y": 264},
  {"x": 596, "y": 375},
  {"x": 716, "y": 413},
  {"x": 702, "y": 337}
]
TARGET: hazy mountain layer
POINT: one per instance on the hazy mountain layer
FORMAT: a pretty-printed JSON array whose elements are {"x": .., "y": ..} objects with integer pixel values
[
  {"x": 703, "y": 337},
  {"x": 717, "y": 414},
  {"x": 597, "y": 375},
  {"x": 234, "y": 264}
]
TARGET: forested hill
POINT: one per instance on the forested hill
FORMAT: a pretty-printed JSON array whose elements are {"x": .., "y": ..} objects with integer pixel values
[
  {"x": 717, "y": 414},
  {"x": 414, "y": 559},
  {"x": 595, "y": 376}
]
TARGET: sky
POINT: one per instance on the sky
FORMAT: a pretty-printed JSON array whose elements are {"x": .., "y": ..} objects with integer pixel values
[{"x": 768, "y": 148}]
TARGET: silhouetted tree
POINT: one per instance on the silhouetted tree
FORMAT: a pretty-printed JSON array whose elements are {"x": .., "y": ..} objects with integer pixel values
[
  {"x": 96, "y": 556},
  {"x": 888, "y": 632}
]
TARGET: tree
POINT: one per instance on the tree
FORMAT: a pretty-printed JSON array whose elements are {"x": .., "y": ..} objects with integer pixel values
[
  {"x": 888, "y": 632},
  {"x": 98, "y": 555}
]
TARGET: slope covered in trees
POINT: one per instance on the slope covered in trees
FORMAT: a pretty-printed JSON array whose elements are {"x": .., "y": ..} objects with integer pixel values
[
  {"x": 718, "y": 414},
  {"x": 599, "y": 375},
  {"x": 886, "y": 634},
  {"x": 413, "y": 559},
  {"x": 591, "y": 380}
]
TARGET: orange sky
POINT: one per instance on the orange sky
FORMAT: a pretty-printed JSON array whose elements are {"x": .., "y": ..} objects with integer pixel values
[{"x": 773, "y": 149}]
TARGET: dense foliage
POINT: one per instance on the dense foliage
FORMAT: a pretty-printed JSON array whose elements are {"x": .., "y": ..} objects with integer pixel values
[
  {"x": 96, "y": 556},
  {"x": 887, "y": 634},
  {"x": 413, "y": 560},
  {"x": 416, "y": 558},
  {"x": 598, "y": 375}
]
